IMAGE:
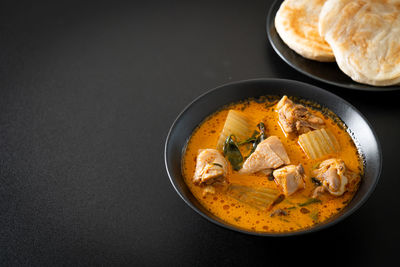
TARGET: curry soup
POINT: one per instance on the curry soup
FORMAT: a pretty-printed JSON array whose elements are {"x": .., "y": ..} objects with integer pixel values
[{"x": 299, "y": 210}]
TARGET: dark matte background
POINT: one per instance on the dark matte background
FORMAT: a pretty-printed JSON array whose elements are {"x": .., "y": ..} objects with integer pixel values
[{"x": 88, "y": 92}]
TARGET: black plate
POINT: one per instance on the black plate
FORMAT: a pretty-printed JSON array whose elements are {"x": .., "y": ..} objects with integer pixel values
[
  {"x": 206, "y": 104},
  {"x": 321, "y": 71}
]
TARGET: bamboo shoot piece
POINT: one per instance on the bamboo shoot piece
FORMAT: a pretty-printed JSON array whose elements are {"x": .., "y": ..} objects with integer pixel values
[
  {"x": 236, "y": 124},
  {"x": 318, "y": 143},
  {"x": 259, "y": 198}
]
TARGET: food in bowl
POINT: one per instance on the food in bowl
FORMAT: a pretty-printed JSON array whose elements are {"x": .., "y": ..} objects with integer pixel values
[{"x": 272, "y": 164}]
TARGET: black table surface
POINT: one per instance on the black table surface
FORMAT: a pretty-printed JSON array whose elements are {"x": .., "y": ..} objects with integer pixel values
[{"x": 88, "y": 92}]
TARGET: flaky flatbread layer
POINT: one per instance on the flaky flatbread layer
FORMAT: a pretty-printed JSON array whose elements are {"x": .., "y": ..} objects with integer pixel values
[
  {"x": 365, "y": 38},
  {"x": 297, "y": 24}
]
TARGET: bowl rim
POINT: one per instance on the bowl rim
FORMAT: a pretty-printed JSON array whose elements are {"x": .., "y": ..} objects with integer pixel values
[{"x": 312, "y": 229}]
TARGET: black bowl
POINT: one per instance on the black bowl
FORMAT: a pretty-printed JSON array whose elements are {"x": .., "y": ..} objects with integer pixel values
[{"x": 361, "y": 131}]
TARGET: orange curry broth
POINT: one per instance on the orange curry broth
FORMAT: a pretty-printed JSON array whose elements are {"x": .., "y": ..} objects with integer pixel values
[{"x": 249, "y": 218}]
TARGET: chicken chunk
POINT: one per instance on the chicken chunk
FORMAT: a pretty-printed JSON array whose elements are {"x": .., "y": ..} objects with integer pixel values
[
  {"x": 290, "y": 178},
  {"x": 211, "y": 167},
  {"x": 295, "y": 118},
  {"x": 276, "y": 145},
  {"x": 331, "y": 173},
  {"x": 269, "y": 154}
]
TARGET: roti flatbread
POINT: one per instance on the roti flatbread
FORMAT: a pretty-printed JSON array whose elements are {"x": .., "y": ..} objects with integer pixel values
[
  {"x": 365, "y": 38},
  {"x": 297, "y": 24}
]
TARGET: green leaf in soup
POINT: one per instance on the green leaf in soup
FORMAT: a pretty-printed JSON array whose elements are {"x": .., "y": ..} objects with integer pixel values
[
  {"x": 255, "y": 144},
  {"x": 255, "y": 139},
  {"x": 314, "y": 215},
  {"x": 261, "y": 127},
  {"x": 310, "y": 201},
  {"x": 251, "y": 139},
  {"x": 232, "y": 153},
  {"x": 248, "y": 140},
  {"x": 261, "y": 136}
]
